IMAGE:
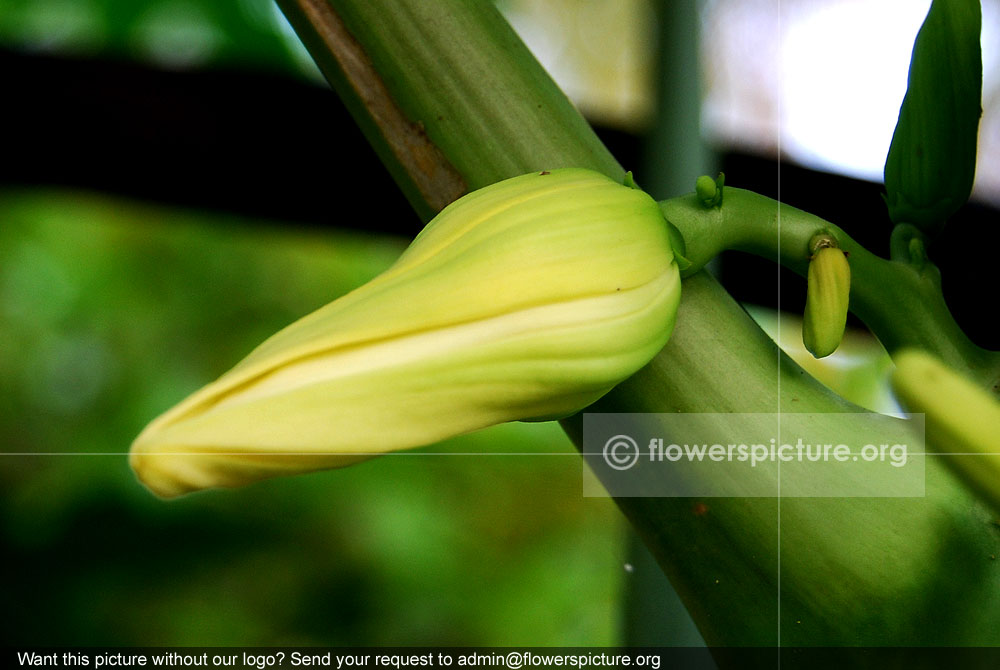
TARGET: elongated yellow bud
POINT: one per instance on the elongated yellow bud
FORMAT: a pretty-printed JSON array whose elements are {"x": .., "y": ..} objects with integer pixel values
[
  {"x": 528, "y": 299},
  {"x": 827, "y": 294},
  {"x": 961, "y": 419}
]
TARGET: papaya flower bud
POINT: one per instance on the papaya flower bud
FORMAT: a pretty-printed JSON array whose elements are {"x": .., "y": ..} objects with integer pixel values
[
  {"x": 931, "y": 164},
  {"x": 828, "y": 288},
  {"x": 709, "y": 191},
  {"x": 525, "y": 300},
  {"x": 961, "y": 419}
]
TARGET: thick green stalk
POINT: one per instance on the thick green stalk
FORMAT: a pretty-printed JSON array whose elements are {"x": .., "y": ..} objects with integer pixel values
[
  {"x": 447, "y": 94},
  {"x": 673, "y": 155},
  {"x": 855, "y": 571},
  {"x": 850, "y": 571}
]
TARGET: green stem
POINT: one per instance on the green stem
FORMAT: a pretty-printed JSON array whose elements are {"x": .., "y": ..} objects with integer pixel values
[
  {"x": 901, "y": 302},
  {"x": 802, "y": 571},
  {"x": 447, "y": 94}
]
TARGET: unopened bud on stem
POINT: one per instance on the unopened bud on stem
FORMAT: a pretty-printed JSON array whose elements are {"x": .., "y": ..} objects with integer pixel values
[
  {"x": 827, "y": 296},
  {"x": 527, "y": 299}
]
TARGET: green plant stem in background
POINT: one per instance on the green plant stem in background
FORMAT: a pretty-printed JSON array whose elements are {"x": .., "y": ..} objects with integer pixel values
[
  {"x": 901, "y": 302},
  {"x": 447, "y": 94},
  {"x": 673, "y": 155},
  {"x": 751, "y": 571}
]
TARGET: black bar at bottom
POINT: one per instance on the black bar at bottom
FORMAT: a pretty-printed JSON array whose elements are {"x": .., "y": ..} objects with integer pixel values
[{"x": 500, "y": 658}]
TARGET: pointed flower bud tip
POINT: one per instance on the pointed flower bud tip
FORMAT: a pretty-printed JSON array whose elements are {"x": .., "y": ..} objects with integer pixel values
[{"x": 527, "y": 299}]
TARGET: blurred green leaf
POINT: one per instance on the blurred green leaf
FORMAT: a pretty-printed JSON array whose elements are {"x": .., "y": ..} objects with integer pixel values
[
  {"x": 113, "y": 310},
  {"x": 176, "y": 34}
]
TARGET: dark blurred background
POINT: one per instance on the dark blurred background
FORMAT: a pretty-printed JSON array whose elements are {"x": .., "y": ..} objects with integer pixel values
[{"x": 177, "y": 183}]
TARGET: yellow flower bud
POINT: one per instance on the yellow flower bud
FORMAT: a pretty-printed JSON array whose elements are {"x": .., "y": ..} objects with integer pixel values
[
  {"x": 827, "y": 293},
  {"x": 961, "y": 419},
  {"x": 528, "y": 299}
]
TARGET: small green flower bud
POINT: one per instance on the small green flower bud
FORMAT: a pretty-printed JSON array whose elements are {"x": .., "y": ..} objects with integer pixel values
[
  {"x": 528, "y": 299},
  {"x": 709, "y": 191},
  {"x": 827, "y": 293},
  {"x": 705, "y": 188}
]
